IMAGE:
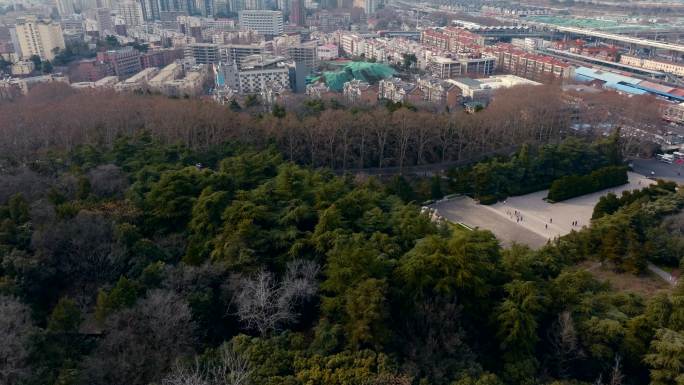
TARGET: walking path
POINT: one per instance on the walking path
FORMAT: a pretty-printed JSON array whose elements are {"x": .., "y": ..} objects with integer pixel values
[{"x": 667, "y": 277}]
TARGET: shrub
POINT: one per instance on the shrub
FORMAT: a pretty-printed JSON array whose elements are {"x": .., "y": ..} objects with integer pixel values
[
  {"x": 488, "y": 199},
  {"x": 575, "y": 185}
]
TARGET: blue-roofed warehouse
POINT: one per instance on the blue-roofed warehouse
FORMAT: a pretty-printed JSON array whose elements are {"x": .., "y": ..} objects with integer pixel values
[{"x": 628, "y": 84}]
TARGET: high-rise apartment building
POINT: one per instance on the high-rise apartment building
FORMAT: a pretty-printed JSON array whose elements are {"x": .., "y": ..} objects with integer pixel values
[
  {"x": 105, "y": 24},
  {"x": 150, "y": 9},
  {"x": 65, "y": 7},
  {"x": 38, "y": 37},
  {"x": 264, "y": 22},
  {"x": 207, "y": 8},
  {"x": 236, "y": 5},
  {"x": 370, "y": 6},
  {"x": 173, "y": 6},
  {"x": 131, "y": 12},
  {"x": 297, "y": 12},
  {"x": 254, "y": 4}
]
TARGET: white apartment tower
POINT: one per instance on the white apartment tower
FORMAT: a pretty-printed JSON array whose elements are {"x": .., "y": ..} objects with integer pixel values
[
  {"x": 261, "y": 21},
  {"x": 38, "y": 37}
]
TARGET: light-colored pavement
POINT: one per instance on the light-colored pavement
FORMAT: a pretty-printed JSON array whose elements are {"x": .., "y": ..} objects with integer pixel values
[
  {"x": 467, "y": 211},
  {"x": 529, "y": 219},
  {"x": 667, "y": 277}
]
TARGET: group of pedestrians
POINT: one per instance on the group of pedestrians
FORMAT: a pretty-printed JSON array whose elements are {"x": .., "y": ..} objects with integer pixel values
[{"x": 515, "y": 214}]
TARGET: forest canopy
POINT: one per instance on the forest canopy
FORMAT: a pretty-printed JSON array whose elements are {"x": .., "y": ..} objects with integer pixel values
[
  {"x": 160, "y": 264},
  {"x": 152, "y": 241}
]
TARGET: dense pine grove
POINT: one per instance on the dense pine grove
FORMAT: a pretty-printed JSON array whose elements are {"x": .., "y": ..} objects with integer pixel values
[{"x": 149, "y": 263}]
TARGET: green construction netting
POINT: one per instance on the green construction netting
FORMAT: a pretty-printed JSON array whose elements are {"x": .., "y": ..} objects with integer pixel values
[{"x": 368, "y": 72}]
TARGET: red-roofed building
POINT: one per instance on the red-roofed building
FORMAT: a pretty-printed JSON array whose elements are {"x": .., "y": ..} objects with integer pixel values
[
  {"x": 452, "y": 39},
  {"x": 531, "y": 66},
  {"x": 432, "y": 38}
]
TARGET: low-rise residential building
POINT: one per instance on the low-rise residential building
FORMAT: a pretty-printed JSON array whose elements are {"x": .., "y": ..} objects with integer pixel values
[
  {"x": 352, "y": 44},
  {"x": 170, "y": 72},
  {"x": 304, "y": 53},
  {"x": 451, "y": 39},
  {"x": 272, "y": 92},
  {"x": 674, "y": 112},
  {"x": 138, "y": 82},
  {"x": 20, "y": 86},
  {"x": 318, "y": 91},
  {"x": 89, "y": 70},
  {"x": 528, "y": 65},
  {"x": 359, "y": 92},
  {"x": 22, "y": 68},
  {"x": 397, "y": 90},
  {"x": 235, "y": 53},
  {"x": 203, "y": 53},
  {"x": 106, "y": 82},
  {"x": 446, "y": 67},
  {"x": 653, "y": 64},
  {"x": 260, "y": 71},
  {"x": 482, "y": 89},
  {"x": 438, "y": 91},
  {"x": 190, "y": 85},
  {"x": 253, "y": 76},
  {"x": 122, "y": 62},
  {"x": 328, "y": 52},
  {"x": 160, "y": 58}
]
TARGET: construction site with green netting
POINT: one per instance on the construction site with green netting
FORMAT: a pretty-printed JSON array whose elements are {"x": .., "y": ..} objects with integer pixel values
[{"x": 368, "y": 72}]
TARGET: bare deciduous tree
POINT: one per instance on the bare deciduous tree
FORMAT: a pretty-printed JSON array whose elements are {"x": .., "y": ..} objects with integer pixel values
[
  {"x": 616, "y": 375},
  {"x": 563, "y": 339},
  {"x": 108, "y": 180},
  {"x": 230, "y": 368},
  {"x": 184, "y": 375},
  {"x": 15, "y": 330},
  {"x": 264, "y": 304},
  {"x": 143, "y": 342}
]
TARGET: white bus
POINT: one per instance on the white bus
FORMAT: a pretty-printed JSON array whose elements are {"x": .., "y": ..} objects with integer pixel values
[{"x": 665, "y": 158}]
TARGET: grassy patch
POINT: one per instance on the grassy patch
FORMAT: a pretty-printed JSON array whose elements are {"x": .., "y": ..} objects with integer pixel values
[{"x": 646, "y": 284}]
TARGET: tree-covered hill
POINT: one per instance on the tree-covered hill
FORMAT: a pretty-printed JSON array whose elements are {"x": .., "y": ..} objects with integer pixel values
[{"x": 160, "y": 264}]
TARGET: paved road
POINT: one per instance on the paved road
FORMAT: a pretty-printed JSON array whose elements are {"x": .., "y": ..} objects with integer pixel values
[{"x": 673, "y": 172}]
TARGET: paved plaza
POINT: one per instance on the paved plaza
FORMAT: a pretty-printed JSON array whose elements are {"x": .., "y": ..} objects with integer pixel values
[{"x": 528, "y": 219}]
